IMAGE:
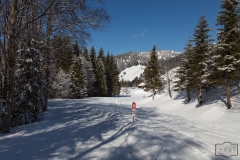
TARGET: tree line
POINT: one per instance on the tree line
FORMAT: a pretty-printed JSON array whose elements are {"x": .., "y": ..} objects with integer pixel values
[
  {"x": 205, "y": 64},
  {"x": 83, "y": 73},
  {"x": 33, "y": 35}
]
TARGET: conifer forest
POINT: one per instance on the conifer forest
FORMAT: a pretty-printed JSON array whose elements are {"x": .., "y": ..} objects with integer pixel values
[{"x": 43, "y": 56}]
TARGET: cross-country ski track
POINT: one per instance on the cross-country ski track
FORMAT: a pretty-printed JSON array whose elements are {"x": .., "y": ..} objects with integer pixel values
[{"x": 102, "y": 129}]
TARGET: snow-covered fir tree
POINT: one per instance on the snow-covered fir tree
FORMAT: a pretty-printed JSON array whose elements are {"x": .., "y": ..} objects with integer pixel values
[
  {"x": 201, "y": 53},
  {"x": 78, "y": 79},
  {"x": 226, "y": 58},
  {"x": 76, "y": 49},
  {"x": 93, "y": 60},
  {"x": 185, "y": 79},
  {"x": 152, "y": 79},
  {"x": 91, "y": 79},
  {"x": 112, "y": 76},
  {"x": 102, "y": 56},
  {"x": 61, "y": 85},
  {"x": 28, "y": 88},
  {"x": 85, "y": 54},
  {"x": 116, "y": 86},
  {"x": 101, "y": 78},
  {"x": 108, "y": 75}
]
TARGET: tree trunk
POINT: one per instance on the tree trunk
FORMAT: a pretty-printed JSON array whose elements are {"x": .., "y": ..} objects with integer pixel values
[
  {"x": 200, "y": 95},
  {"x": 153, "y": 95},
  {"x": 46, "y": 91},
  {"x": 47, "y": 59},
  {"x": 10, "y": 68},
  {"x": 188, "y": 95},
  {"x": 169, "y": 89},
  {"x": 229, "y": 105},
  {"x": 168, "y": 83}
]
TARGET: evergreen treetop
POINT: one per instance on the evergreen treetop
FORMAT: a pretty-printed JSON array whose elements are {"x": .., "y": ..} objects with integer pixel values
[
  {"x": 227, "y": 50},
  {"x": 153, "y": 81},
  {"x": 85, "y": 54},
  {"x": 93, "y": 58}
]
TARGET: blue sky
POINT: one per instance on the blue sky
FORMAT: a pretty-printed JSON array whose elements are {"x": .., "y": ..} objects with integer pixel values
[{"x": 137, "y": 25}]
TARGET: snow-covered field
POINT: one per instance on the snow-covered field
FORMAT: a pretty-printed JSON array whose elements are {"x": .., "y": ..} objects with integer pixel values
[{"x": 102, "y": 129}]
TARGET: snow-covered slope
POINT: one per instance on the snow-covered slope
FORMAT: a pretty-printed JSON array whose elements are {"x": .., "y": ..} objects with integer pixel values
[
  {"x": 130, "y": 73},
  {"x": 102, "y": 128}
]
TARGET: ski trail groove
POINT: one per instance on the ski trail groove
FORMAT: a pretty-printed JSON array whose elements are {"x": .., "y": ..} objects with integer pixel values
[{"x": 182, "y": 137}]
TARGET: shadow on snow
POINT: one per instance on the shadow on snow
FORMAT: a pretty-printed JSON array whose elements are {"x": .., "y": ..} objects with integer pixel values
[{"x": 77, "y": 131}]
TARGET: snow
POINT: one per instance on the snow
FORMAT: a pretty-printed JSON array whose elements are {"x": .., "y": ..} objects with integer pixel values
[
  {"x": 131, "y": 73},
  {"x": 102, "y": 128},
  {"x": 141, "y": 84}
]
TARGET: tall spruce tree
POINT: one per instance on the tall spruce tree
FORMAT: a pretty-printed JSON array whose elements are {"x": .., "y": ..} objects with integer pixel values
[
  {"x": 61, "y": 86},
  {"x": 94, "y": 61},
  {"x": 112, "y": 75},
  {"x": 227, "y": 50},
  {"x": 185, "y": 79},
  {"x": 108, "y": 75},
  {"x": 101, "y": 78},
  {"x": 198, "y": 62},
  {"x": 76, "y": 50},
  {"x": 116, "y": 86},
  {"x": 27, "y": 90},
  {"x": 85, "y": 54},
  {"x": 153, "y": 81},
  {"x": 91, "y": 79},
  {"x": 93, "y": 58},
  {"x": 78, "y": 79},
  {"x": 102, "y": 56}
]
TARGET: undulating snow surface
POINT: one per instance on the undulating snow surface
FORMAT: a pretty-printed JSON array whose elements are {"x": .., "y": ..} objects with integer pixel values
[
  {"x": 129, "y": 74},
  {"x": 102, "y": 129}
]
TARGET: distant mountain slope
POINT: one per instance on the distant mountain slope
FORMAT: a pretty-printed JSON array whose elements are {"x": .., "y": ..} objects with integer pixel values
[
  {"x": 129, "y": 74},
  {"x": 134, "y": 58}
]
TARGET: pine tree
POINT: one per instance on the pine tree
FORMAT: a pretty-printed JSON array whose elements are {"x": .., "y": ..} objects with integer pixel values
[
  {"x": 95, "y": 66},
  {"x": 61, "y": 85},
  {"x": 93, "y": 58},
  {"x": 108, "y": 74},
  {"x": 153, "y": 81},
  {"x": 85, "y": 54},
  {"x": 78, "y": 79},
  {"x": 198, "y": 63},
  {"x": 185, "y": 78},
  {"x": 28, "y": 89},
  {"x": 101, "y": 78},
  {"x": 116, "y": 86},
  {"x": 91, "y": 79},
  {"x": 113, "y": 83},
  {"x": 76, "y": 50},
  {"x": 102, "y": 56},
  {"x": 227, "y": 50}
]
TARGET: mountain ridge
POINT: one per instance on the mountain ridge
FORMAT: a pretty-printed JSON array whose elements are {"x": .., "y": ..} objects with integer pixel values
[{"x": 129, "y": 59}]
